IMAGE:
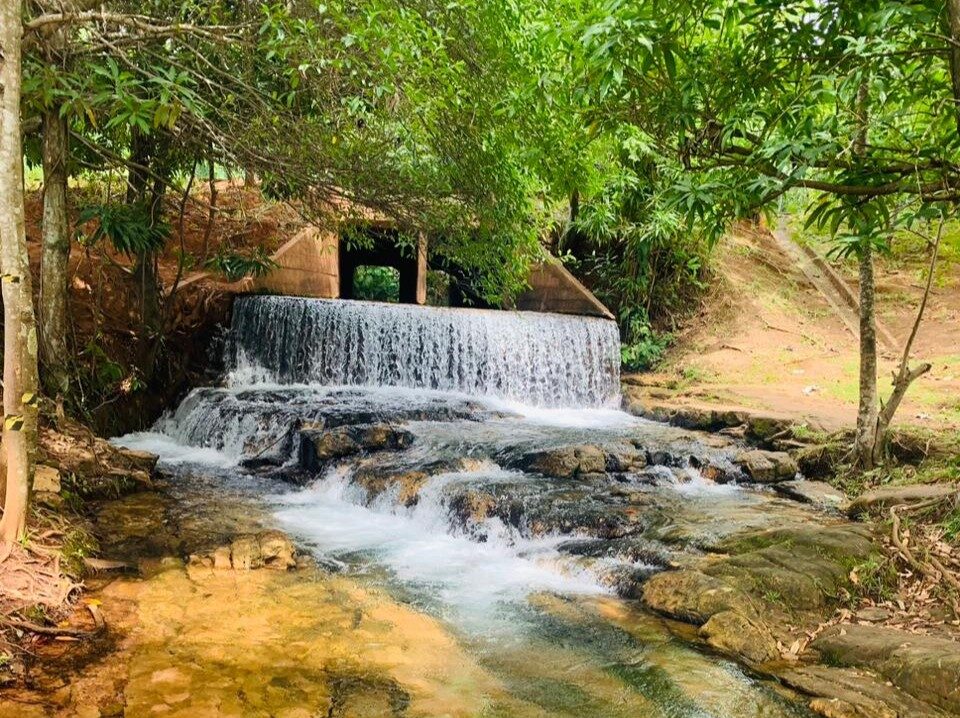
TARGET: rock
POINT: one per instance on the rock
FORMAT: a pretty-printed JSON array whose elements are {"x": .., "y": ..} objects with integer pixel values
[
  {"x": 817, "y": 493},
  {"x": 623, "y": 459},
  {"x": 267, "y": 549},
  {"x": 567, "y": 461},
  {"x": 693, "y": 596},
  {"x": 796, "y": 567},
  {"x": 820, "y": 460},
  {"x": 142, "y": 460},
  {"x": 926, "y": 667},
  {"x": 848, "y": 693},
  {"x": 221, "y": 558},
  {"x": 887, "y": 496},
  {"x": 47, "y": 479},
  {"x": 736, "y": 635},
  {"x": 376, "y": 481},
  {"x": 767, "y": 466},
  {"x": 317, "y": 446}
]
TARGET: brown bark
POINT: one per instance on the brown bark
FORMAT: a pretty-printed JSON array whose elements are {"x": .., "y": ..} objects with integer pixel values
[
  {"x": 20, "y": 335},
  {"x": 56, "y": 254},
  {"x": 953, "y": 27},
  {"x": 904, "y": 376},
  {"x": 211, "y": 209},
  {"x": 866, "y": 438}
]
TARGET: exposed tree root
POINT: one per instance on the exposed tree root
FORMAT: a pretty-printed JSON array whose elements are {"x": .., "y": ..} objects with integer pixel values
[
  {"x": 933, "y": 566},
  {"x": 32, "y": 577}
]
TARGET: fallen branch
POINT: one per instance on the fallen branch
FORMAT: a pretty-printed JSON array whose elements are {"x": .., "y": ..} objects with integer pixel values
[
  {"x": 100, "y": 626},
  {"x": 933, "y": 570}
]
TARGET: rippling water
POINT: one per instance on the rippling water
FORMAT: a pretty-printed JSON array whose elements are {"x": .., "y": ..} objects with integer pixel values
[{"x": 528, "y": 572}]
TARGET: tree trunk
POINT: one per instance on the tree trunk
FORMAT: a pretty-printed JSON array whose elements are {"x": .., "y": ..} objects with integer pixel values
[
  {"x": 137, "y": 173},
  {"x": 866, "y": 439},
  {"x": 145, "y": 272},
  {"x": 19, "y": 331},
  {"x": 56, "y": 254},
  {"x": 953, "y": 28}
]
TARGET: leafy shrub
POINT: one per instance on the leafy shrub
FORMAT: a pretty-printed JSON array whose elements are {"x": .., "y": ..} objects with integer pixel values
[
  {"x": 643, "y": 348},
  {"x": 234, "y": 266},
  {"x": 129, "y": 227},
  {"x": 377, "y": 284},
  {"x": 633, "y": 248}
]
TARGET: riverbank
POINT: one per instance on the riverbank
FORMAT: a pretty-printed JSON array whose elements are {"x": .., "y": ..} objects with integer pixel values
[{"x": 728, "y": 571}]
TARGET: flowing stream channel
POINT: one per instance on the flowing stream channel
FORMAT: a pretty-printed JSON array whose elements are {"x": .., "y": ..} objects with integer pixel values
[{"x": 475, "y": 465}]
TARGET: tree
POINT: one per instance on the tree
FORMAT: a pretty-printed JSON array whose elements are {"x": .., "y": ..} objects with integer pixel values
[
  {"x": 855, "y": 101},
  {"x": 19, "y": 330},
  {"x": 55, "y": 258}
]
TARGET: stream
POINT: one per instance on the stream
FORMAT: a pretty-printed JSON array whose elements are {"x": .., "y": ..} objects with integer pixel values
[{"x": 473, "y": 465}]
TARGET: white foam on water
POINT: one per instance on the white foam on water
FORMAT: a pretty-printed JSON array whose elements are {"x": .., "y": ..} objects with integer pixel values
[
  {"x": 536, "y": 358},
  {"x": 173, "y": 452},
  {"x": 472, "y": 581}
]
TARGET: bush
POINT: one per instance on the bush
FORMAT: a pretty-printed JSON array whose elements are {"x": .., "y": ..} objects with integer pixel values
[
  {"x": 643, "y": 348},
  {"x": 377, "y": 284}
]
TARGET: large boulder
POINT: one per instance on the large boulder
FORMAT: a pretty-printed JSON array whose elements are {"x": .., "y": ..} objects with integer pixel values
[
  {"x": 767, "y": 466},
  {"x": 886, "y": 496},
  {"x": 566, "y": 461},
  {"x": 693, "y": 596},
  {"x": 734, "y": 634},
  {"x": 817, "y": 493},
  {"x": 926, "y": 667},
  {"x": 800, "y": 567},
  {"x": 849, "y": 693},
  {"x": 318, "y": 446}
]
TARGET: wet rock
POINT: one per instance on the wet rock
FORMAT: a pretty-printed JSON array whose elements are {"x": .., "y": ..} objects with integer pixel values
[
  {"x": 767, "y": 466},
  {"x": 141, "y": 460},
  {"x": 816, "y": 493},
  {"x": 624, "y": 459},
  {"x": 848, "y": 693},
  {"x": 267, "y": 549},
  {"x": 566, "y": 461},
  {"x": 317, "y": 446},
  {"x": 693, "y": 596},
  {"x": 734, "y": 634},
  {"x": 376, "y": 481},
  {"x": 926, "y": 667},
  {"x": 887, "y": 496}
]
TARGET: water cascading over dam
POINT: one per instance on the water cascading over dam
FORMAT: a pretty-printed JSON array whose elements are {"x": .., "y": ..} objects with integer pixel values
[
  {"x": 533, "y": 358},
  {"x": 474, "y": 464}
]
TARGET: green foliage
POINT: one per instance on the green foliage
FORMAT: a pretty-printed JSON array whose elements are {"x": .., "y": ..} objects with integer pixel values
[
  {"x": 951, "y": 526},
  {"x": 78, "y": 544},
  {"x": 378, "y": 284},
  {"x": 130, "y": 228},
  {"x": 755, "y": 98},
  {"x": 875, "y": 579},
  {"x": 643, "y": 348},
  {"x": 234, "y": 266}
]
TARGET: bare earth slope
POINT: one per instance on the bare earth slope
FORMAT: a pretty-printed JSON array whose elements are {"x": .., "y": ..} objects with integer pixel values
[{"x": 769, "y": 340}]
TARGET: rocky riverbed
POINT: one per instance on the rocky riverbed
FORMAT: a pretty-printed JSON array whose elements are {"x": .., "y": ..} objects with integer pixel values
[{"x": 449, "y": 556}]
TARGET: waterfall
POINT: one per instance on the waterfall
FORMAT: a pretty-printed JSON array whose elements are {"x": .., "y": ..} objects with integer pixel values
[{"x": 534, "y": 358}]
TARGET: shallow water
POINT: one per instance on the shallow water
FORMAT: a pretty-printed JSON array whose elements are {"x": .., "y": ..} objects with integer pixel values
[
  {"x": 526, "y": 578},
  {"x": 544, "y": 620}
]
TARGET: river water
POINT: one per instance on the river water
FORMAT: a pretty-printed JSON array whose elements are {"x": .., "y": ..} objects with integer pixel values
[{"x": 534, "y": 576}]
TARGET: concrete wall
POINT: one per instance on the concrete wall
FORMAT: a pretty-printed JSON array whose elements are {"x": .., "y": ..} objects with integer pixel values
[
  {"x": 554, "y": 289},
  {"x": 308, "y": 266}
]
